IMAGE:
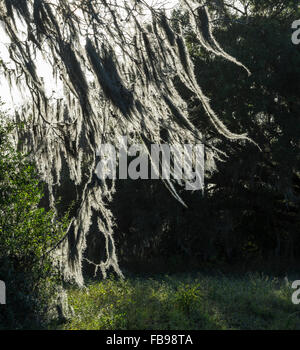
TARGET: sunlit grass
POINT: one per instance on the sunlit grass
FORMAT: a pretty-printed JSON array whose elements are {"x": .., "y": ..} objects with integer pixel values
[{"x": 185, "y": 302}]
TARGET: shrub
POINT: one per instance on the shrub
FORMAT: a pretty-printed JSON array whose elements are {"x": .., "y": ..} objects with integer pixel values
[{"x": 27, "y": 234}]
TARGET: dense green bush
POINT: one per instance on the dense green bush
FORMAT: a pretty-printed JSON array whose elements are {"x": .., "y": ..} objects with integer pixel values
[{"x": 27, "y": 234}]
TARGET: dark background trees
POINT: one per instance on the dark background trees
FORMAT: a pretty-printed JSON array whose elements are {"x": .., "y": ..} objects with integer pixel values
[{"x": 249, "y": 213}]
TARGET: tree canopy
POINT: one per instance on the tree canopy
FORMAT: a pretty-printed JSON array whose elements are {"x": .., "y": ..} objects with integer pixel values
[{"x": 119, "y": 74}]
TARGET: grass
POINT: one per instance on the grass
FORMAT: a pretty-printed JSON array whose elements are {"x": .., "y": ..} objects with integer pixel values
[{"x": 185, "y": 302}]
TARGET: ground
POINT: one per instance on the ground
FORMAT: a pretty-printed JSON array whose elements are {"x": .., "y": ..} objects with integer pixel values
[{"x": 191, "y": 301}]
